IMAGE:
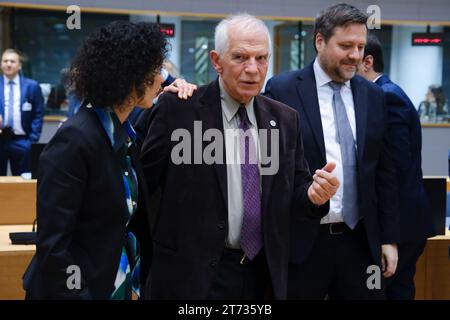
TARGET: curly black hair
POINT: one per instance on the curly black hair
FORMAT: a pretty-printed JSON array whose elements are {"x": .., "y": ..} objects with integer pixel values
[{"x": 115, "y": 59}]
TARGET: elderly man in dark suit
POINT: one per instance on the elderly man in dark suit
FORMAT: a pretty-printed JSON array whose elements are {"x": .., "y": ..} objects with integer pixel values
[
  {"x": 21, "y": 114},
  {"x": 405, "y": 135},
  {"x": 343, "y": 120},
  {"x": 222, "y": 230}
]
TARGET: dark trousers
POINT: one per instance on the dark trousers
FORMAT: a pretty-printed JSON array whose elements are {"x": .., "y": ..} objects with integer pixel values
[
  {"x": 236, "y": 280},
  {"x": 401, "y": 285},
  {"x": 16, "y": 151},
  {"x": 336, "y": 267}
]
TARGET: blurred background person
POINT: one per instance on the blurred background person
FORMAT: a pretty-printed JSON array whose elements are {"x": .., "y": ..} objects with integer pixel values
[
  {"x": 58, "y": 96},
  {"x": 21, "y": 114},
  {"x": 91, "y": 205},
  {"x": 434, "y": 108},
  {"x": 405, "y": 135},
  {"x": 73, "y": 104},
  {"x": 171, "y": 69}
]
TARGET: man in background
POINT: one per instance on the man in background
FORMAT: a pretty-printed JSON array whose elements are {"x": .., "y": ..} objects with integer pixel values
[
  {"x": 406, "y": 144},
  {"x": 21, "y": 114}
]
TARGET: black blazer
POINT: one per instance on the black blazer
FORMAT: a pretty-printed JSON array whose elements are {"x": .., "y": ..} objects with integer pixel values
[
  {"x": 376, "y": 175},
  {"x": 82, "y": 213},
  {"x": 405, "y": 134},
  {"x": 192, "y": 223}
]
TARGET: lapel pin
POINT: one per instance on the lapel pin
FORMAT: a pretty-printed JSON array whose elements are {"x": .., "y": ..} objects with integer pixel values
[{"x": 273, "y": 123}]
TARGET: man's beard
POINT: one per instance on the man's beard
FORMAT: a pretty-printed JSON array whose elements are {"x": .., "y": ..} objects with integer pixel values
[
  {"x": 344, "y": 76},
  {"x": 339, "y": 73}
]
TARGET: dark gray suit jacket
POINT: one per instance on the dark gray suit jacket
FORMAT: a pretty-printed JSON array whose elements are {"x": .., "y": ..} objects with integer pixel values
[{"x": 192, "y": 223}]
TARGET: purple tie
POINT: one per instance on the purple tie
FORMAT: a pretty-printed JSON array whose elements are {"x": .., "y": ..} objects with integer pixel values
[{"x": 251, "y": 232}]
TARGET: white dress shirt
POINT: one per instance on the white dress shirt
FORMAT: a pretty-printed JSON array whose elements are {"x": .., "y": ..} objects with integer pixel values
[
  {"x": 231, "y": 122},
  {"x": 332, "y": 148},
  {"x": 378, "y": 77},
  {"x": 17, "y": 117}
]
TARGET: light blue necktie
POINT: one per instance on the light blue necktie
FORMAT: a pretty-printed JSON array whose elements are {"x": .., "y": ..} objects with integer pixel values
[
  {"x": 10, "y": 119},
  {"x": 347, "y": 145}
]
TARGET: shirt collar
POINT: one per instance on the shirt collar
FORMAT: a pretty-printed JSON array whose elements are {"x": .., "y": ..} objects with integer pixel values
[
  {"x": 118, "y": 133},
  {"x": 231, "y": 106},
  {"x": 378, "y": 77},
  {"x": 322, "y": 78},
  {"x": 16, "y": 79}
]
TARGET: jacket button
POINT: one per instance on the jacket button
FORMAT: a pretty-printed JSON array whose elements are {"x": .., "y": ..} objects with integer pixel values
[
  {"x": 220, "y": 226},
  {"x": 213, "y": 263}
]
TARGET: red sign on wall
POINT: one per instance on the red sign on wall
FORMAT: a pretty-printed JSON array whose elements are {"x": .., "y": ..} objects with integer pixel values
[
  {"x": 427, "y": 39},
  {"x": 168, "y": 29}
]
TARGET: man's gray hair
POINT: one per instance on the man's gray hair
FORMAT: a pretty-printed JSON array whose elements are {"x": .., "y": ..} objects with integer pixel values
[{"x": 244, "y": 23}]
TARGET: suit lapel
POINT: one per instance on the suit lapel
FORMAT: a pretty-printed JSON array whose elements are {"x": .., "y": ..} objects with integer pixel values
[
  {"x": 116, "y": 177},
  {"x": 134, "y": 151},
  {"x": 210, "y": 114},
  {"x": 23, "y": 91},
  {"x": 263, "y": 119},
  {"x": 360, "y": 102},
  {"x": 307, "y": 92}
]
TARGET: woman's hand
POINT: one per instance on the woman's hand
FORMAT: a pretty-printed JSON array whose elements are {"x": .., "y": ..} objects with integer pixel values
[{"x": 184, "y": 88}]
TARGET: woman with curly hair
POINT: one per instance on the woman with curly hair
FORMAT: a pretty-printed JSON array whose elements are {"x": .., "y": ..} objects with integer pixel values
[{"x": 93, "y": 232}]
